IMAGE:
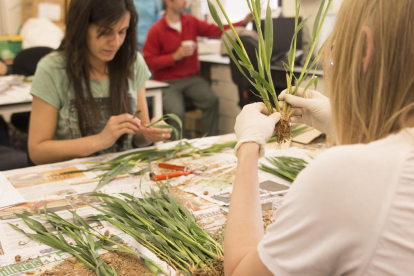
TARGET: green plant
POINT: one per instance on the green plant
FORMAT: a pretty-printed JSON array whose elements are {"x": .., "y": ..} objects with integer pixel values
[
  {"x": 261, "y": 79},
  {"x": 172, "y": 117},
  {"x": 285, "y": 167},
  {"x": 164, "y": 226},
  {"x": 125, "y": 163},
  {"x": 87, "y": 240}
]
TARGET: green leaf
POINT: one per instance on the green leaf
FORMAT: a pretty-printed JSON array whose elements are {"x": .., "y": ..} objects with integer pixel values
[
  {"x": 215, "y": 15},
  {"x": 285, "y": 167},
  {"x": 33, "y": 224},
  {"x": 236, "y": 62},
  {"x": 143, "y": 171},
  {"x": 239, "y": 51},
  {"x": 168, "y": 127},
  {"x": 317, "y": 20},
  {"x": 80, "y": 220},
  {"x": 161, "y": 224},
  {"x": 258, "y": 7},
  {"x": 260, "y": 79},
  {"x": 313, "y": 81},
  {"x": 293, "y": 42},
  {"x": 287, "y": 69},
  {"x": 163, "y": 127},
  {"x": 121, "y": 169},
  {"x": 250, "y": 6},
  {"x": 166, "y": 117},
  {"x": 259, "y": 63},
  {"x": 269, "y": 32}
]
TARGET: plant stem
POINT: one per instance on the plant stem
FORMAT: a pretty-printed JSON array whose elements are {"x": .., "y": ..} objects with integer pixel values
[{"x": 234, "y": 31}]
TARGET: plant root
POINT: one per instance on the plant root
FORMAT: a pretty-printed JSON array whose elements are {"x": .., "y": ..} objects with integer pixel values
[
  {"x": 284, "y": 129},
  {"x": 213, "y": 268}
]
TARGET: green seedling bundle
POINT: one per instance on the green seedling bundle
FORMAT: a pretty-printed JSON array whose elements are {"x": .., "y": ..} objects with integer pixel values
[{"x": 261, "y": 78}]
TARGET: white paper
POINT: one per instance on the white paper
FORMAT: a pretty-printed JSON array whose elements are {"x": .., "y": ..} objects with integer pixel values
[
  {"x": 51, "y": 11},
  {"x": 9, "y": 196},
  {"x": 16, "y": 94}
]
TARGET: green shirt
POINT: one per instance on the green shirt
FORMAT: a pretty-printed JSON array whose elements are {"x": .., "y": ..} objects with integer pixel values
[{"x": 51, "y": 84}]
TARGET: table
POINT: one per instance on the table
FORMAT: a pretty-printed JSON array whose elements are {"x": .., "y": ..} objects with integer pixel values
[
  {"x": 20, "y": 100},
  {"x": 206, "y": 195},
  {"x": 154, "y": 90}
]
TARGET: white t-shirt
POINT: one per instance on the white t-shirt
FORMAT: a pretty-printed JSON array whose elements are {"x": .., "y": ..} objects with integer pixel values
[
  {"x": 350, "y": 212},
  {"x": 176, "y": 26}
]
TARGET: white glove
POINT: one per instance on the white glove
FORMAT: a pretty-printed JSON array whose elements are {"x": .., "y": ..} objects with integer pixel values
[
  {"x": 314, "y": 109},
  {"x": 254, "y": 125}
]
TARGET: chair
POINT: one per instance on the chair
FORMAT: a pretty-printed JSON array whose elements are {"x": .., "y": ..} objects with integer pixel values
[
  {"x": 11, "y": 159},
  {"x": 193, "y": 117},
  {"x": 25, "y": 63}
]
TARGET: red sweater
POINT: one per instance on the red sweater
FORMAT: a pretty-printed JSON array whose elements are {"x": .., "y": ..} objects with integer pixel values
[{"x": 163, "y": 41}]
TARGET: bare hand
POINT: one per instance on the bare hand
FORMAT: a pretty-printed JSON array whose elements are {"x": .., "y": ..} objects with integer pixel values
[
  {"x": 3, "y": 69},
  {"x": 156, "y": 134},
  {"x": 247, "y": 20},
  {"x": 182, "y": 52},
  {"x": 116, "y": 127}
]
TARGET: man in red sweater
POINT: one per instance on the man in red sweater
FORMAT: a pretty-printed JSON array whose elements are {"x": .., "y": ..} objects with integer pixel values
[{"x": 171, "y": 53}]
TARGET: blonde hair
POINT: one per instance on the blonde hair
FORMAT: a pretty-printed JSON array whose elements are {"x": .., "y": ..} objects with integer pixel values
[{"x": 370, "y": 105}]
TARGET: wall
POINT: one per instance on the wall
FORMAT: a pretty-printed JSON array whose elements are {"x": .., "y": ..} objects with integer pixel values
[
  {"x": 310, "y": 7},
  {"x": 10, "y": 17},
  {"x": 237, "y": 9}
]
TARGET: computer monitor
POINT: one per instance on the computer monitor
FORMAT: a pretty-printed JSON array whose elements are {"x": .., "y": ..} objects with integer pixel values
[{"x": 283, "y": 31}]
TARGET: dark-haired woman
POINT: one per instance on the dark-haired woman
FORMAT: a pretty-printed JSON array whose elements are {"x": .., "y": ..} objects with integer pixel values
[{"x": 85, "y": 93}]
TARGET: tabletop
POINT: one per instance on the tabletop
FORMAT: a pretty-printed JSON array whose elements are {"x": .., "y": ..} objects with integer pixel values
[{"x": 206, "y": 195}]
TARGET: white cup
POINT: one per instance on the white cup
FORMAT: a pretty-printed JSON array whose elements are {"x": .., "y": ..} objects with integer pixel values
[{"x": 190, "y": 43}]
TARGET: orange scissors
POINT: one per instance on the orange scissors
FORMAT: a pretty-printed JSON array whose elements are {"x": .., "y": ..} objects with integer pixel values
[{"x": 181, "y": 170}]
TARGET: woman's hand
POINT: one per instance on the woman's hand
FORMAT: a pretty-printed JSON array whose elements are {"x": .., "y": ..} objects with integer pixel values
[
  {"x": 116, "y": 127},
  {"x": 254, "y": 124},
  {"x": 155, "y": 134},
  {"x": 3, "y": 68},
  {"x": 313, "y": 109}
]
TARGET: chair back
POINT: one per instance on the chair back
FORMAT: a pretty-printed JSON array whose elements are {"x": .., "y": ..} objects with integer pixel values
[{"x": 25, "y": 62}]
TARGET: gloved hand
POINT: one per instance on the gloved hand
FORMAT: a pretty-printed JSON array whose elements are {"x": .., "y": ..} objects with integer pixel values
[
  {"x": 254, "y": 125},
  {"x": 314, "y": 109}
]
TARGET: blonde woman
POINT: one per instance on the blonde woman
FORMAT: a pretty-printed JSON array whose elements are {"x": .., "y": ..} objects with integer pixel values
[{"x": 350, "y": 212}]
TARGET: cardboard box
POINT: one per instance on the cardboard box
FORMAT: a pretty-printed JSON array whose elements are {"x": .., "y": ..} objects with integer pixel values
[{"x": 55, "y": 10}]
